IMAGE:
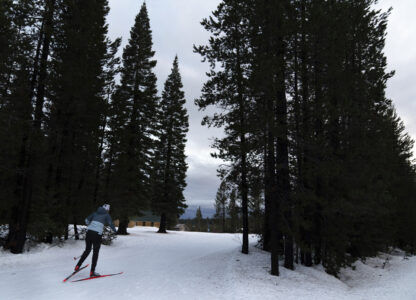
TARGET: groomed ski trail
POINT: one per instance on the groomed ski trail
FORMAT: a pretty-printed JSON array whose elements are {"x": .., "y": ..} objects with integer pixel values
[{"x": 193, "y": 265}]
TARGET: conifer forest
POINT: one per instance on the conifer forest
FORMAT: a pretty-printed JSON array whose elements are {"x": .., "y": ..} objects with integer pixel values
[{"x": 316, "y": 160}]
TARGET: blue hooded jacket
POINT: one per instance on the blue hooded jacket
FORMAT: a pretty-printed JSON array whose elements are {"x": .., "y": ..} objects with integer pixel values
[{"x": 97, "y": 220}]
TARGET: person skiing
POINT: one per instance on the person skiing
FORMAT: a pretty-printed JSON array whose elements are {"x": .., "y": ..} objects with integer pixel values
[{"x": 96, "y": 222}]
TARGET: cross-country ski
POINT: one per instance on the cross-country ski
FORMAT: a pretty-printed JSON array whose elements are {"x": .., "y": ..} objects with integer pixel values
[
  {"x": 75, "y": 272},
  {"x": 95, "y": 277}
]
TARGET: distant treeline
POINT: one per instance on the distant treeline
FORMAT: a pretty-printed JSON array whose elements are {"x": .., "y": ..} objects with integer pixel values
[
  {"x": 230, "y": 223},
  {"x": 311, "y": 140},
  {"x": 71, "y": 137}
]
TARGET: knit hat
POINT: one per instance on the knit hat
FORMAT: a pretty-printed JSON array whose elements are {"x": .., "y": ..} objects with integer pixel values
[{"x": 106, "y": 207}]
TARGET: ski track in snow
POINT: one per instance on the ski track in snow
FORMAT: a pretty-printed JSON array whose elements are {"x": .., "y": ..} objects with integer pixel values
[{"x": 192, "y": 265}]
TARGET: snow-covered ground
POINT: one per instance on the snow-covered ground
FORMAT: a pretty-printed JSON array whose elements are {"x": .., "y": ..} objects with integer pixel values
[{"x": 190, "y": 265}]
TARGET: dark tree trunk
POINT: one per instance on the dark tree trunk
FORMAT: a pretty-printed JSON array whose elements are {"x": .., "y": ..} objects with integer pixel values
[
  {"x": 76, "y": 230},
  {"x": 162, "y": 227},
  {"x": 122, "y": 228},
  {"x": 43, "y": 63},
  {"x": 17, "y": 232},
  {"x": 271, "y": 192},
  {"x": 48, "y": 238},
  {"x": 298, "y": 135},
  {"x": 289, "y": 252},
  {"x": 244, "y": 206},
  {"x": 243, "y": 153},
  {"x": 272, "y": 219},
  {"x": 244, "y": 192},
  {"x": 297, "y": 255},
  {"x": 268, "y": 174},
  {"x": 317, "y": 255},
  {"x": 66, "y": 233},
  {"x": 244, "y": 184},
  {"x": 36, "y": 61},
  {"x": 284, "y": 192},
  {"x": 308, "y": 258},
  {"x": 163, "y": 220},
  {"x": 223, "y": 218},
  {"x": 274, "y": 239},
  {"x": 23, "y": 193},
  {"x": 282, "y": 146},
  {"x": 319, "y": 132}
]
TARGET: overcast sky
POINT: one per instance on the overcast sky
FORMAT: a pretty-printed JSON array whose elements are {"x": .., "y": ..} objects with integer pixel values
[{"x": 176, "y": 28}]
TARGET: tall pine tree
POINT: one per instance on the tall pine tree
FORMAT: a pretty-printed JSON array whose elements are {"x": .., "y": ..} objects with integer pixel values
[
  {"x": 133, "y": 125},
  {"x": 76, "y": 110},
  {"x": 227, "y": 88},
  {"x": 170, "y": 165}
]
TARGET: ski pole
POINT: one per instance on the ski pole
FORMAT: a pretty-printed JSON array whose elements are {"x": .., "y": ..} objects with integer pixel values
[{"x": 75, "y": 258}]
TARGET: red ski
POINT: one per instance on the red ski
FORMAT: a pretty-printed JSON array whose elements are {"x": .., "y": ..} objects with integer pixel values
[
  {"x": 75, "y": 272},
  {"x": 88, "y": 278}
]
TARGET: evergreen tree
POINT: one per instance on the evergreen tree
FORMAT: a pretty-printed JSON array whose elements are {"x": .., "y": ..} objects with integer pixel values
[
  {"x": 402, "y": 184},
  {"x": 269, "y": 84},
  {"x": 221, "y": 200},
  {"x": 198, "y": 219},
  {"x": 7, "y": 44},
  {"x": 17, "y": 95},
  {"x": 111, "y": 70},
  {"x": 333, "y": 151},
  {"x": 340, "y": 132},
  {"x": 170, "y": 169},
  {"x": 227, "y": 88},
  {"x": 133, "y": 125},
  {"x": 77, "y": 108}
]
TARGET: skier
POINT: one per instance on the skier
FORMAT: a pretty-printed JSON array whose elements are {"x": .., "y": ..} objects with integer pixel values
[{"x": 95, "y": 222}]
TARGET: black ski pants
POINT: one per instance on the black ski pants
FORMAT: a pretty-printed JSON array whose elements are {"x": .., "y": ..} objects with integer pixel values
[{"x": 92, "y": 239}]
